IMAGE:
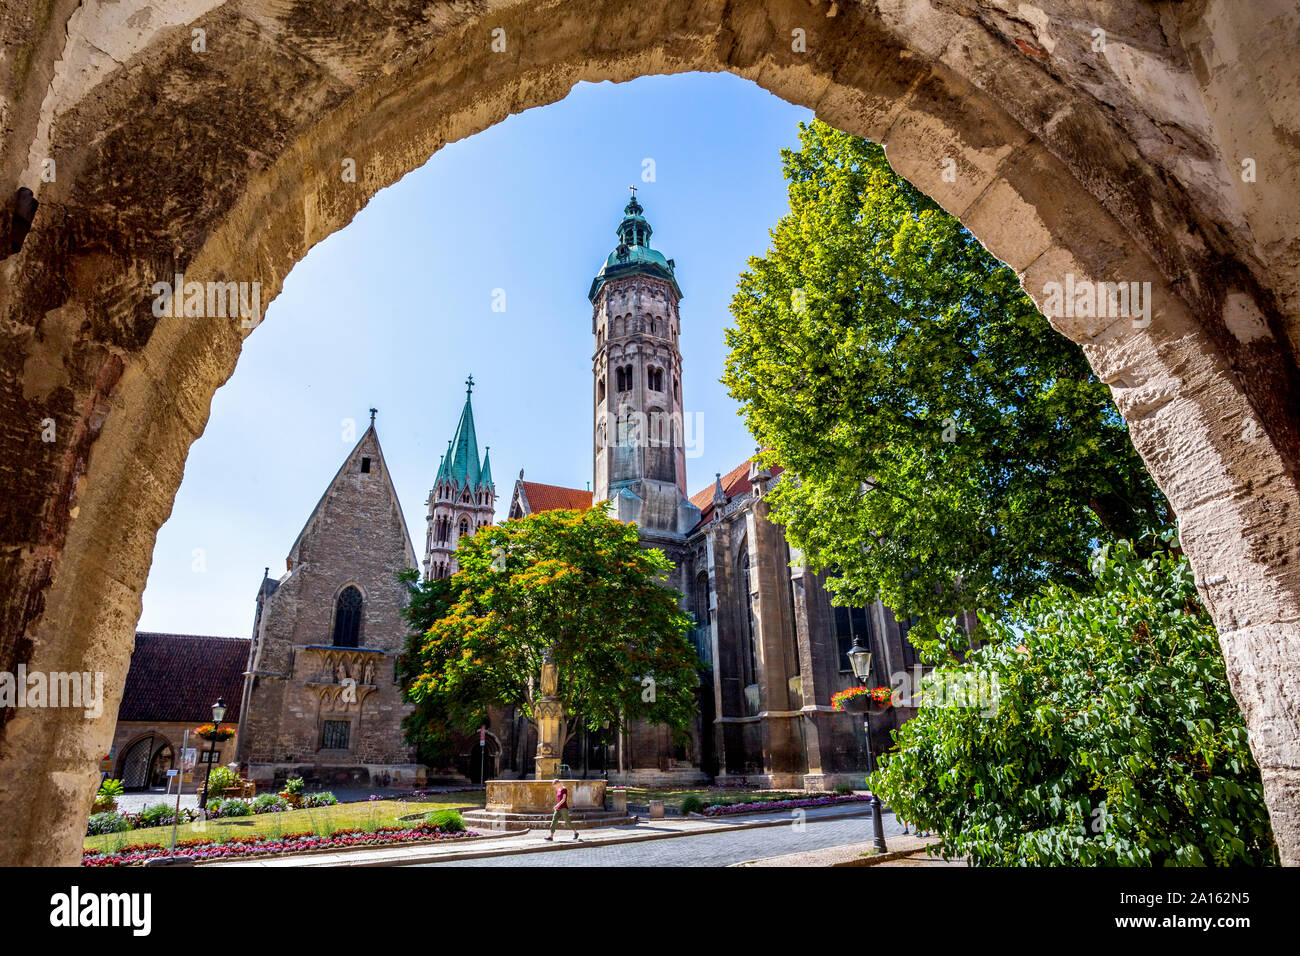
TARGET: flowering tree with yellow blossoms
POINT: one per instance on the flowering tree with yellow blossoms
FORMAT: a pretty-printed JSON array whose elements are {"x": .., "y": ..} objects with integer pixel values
[{"x": 574, "y": 584}]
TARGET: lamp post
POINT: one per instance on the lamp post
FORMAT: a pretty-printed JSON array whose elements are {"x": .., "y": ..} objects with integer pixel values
[
  {"x": 860, "y": 660},
  {"x": 218, "y": 715}
]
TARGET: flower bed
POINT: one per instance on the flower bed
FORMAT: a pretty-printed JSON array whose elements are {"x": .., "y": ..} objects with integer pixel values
[
  {"x": 724, "y": 809},
  {"x": 203, "y": 849}
]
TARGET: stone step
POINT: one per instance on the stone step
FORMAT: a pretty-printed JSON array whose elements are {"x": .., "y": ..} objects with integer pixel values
[{"x": 582, "y": 820}]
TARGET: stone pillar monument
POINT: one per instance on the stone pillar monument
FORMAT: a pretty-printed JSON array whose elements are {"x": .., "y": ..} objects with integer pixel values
[{"x": 550, "y": 721}]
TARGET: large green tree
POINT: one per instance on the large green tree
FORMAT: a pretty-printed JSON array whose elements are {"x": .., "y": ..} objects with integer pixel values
[
  {"x": 951, "y": 449},
  {"x": 577, "y": 585},
  {"x": 1097, "y": 729}
]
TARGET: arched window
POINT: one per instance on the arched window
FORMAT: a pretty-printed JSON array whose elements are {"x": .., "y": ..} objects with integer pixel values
[
  {"x": 655, "y": 379},
  {"x": 347, "y": 618},
  {"x": 751, "y": 657},
  {"x": 600, "y": 390},
  {"x": 464, "y": 527}
]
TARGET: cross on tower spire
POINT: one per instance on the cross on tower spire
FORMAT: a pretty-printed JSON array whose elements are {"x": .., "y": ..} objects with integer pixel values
[
  {"x": 469, "y": 385},
  {"x": 372, "y": 415}
]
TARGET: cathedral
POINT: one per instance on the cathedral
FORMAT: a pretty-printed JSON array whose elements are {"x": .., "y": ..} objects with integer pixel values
[
  {"x": 320, "y": 698},
  {"x": 773, "y": 650}
]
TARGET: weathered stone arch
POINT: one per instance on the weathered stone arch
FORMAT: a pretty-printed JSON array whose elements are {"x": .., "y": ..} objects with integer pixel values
[{"x": 1124, "y": 164}]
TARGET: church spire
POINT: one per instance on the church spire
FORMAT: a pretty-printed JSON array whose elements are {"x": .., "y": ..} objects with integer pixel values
[{"x": 462, "y": 467}]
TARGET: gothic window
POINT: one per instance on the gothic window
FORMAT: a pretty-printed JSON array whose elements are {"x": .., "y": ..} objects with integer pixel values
[
  {"x": 464, "y": 527},
  {"x": 655, "y": 379},
  {"x": 624, "y": 378},
  {"x": 751, "y": 656},
  {"x": 851, "y": 622},
  {"x": 347, "y": 618},
  {"x": 600, "y": 338},
  {"x": 335, "y": 734},
  {"x": 702, "y": 599},
  {"x": 600, "y": 390}
]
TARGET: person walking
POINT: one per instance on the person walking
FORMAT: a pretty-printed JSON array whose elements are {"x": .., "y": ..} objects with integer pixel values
[{"x": 561, "y": 811}]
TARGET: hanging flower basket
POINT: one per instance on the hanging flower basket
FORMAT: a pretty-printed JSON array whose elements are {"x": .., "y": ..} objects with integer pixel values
[
  {"x": 862, "y": 700},
  {"x": 213, "y": 732}
]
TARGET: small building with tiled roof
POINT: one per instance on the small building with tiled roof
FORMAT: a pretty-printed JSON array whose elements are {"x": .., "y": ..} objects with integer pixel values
[
  {"x": 171, "y": 685},
  {"x": 531, "y": 497}
]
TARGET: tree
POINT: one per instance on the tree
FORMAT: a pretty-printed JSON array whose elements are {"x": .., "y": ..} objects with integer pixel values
[
  {"x": 948, "y": 449},
  {"x": 429, "y": 727},
  {"x": 1092, "y": 729},
  {"x": 575, "y": 584}
]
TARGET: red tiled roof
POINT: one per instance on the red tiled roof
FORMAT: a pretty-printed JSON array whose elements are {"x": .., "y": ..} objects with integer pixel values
[
  {"x": 180, "y": 677},
  {"x": 734, "y": 482},
  {"x": 554, "y": 497}
]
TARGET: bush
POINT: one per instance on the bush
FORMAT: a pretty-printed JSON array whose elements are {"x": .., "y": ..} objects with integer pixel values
[
  {"x": 221, "y": 780},
  {"x": 843, "y": 790},
  {"x": 691, "y": 803},
  {"x": 269, "y": 803},
  {"x": 325, "y": 799},
  {"x": 294, "y": 785},
  {"x": 1110, "y": 736},
  {"x": 448, "y": 821},
  {"x": 156, "y": 815},
  {"x": 101, "y": 823},
  {"x": 229, "y": 808},
  {"x": 106, "y": 798}
]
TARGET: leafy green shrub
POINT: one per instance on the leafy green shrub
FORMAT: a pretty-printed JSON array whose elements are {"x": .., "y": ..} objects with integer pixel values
[
  {"x": 1111, "y": 737},
  {"x": 294, "y": 785},
  {"x": 221, "y": 780},
  {"x": 106, "y": 797},
  {"x": 323, "y": 799},
  {"x": 448, "y": 821},
  {"x": 843, "y": 790},
  {"x": 269, "y": 803},
  {"x": 156, "y": 815},
  {"x": 691, "y": 803},
  {"x": 230, "y": 808},
  {"x": 110, "y": 822}
]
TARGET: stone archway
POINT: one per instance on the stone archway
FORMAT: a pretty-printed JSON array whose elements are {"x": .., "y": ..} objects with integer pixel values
[{"x": 221, "y": 154}]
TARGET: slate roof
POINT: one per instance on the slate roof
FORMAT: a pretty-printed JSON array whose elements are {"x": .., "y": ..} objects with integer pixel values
[{"x": 180, "y": 677}]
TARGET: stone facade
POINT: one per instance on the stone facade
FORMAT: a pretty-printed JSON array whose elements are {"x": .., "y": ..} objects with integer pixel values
[{"x": 321, "y": 698}]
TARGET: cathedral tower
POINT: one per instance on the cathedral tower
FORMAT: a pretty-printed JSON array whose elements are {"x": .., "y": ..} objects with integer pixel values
[
  {"x": 639, "y": 447},
  {"x": 463, "y": 498}
]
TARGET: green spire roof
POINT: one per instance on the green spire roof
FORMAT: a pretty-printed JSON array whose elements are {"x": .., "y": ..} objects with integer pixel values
[
  {"x": 460, "y": 465},
  {"x": 485, "y": 476},
  {"x": 633, "y": 254}
]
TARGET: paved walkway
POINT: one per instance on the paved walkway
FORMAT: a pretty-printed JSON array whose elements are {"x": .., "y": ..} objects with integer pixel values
[
  {"x": 899, "y": 850},
  {"x": 669, "y": 842}
]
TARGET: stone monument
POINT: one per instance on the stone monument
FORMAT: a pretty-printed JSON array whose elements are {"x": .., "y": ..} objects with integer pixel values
[{"x": 527, "y": 804}]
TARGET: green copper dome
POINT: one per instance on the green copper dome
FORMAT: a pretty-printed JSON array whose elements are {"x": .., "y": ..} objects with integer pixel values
[{"x": 633, "y": 255}]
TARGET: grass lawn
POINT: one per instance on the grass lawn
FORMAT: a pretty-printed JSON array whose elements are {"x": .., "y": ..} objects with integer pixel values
[{"x": 343, "y": 816}]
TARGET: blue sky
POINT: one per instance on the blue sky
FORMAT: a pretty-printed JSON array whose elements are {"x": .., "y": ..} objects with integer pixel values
[{"x": 395, "y": 310}]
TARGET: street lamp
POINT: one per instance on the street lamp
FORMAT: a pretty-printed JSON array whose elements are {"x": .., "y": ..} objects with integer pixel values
[
  {"x": 218, "y": 715},
  {"x": 860, "y": 661}
]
